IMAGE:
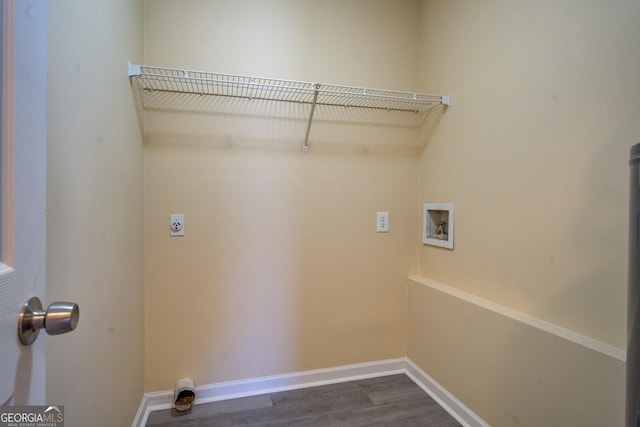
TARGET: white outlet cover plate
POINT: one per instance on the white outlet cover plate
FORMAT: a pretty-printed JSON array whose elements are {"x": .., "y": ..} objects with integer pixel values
[{"x": 382, "y": 225}]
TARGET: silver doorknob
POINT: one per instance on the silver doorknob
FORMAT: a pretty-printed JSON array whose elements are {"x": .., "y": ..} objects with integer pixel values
[{"x": 59, "y": 318}]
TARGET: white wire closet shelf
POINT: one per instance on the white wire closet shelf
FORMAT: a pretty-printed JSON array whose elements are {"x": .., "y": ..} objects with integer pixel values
[{"x": 150, "y": 78}]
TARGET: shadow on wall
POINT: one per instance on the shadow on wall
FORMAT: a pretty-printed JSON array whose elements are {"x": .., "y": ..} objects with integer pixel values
[
  {"x": 233, "y": 123},
  {"x": 430, "y": 124}
]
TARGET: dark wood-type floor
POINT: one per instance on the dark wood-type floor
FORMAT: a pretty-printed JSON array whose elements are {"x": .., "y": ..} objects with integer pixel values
[{"x": 392, "y": 400}]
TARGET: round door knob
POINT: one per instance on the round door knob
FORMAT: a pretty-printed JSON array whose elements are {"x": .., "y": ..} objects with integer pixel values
[{"x": 59, "y": 318}]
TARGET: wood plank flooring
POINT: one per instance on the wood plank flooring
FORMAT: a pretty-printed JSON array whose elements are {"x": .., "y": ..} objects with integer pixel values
[{"x": 393, "y": 400}]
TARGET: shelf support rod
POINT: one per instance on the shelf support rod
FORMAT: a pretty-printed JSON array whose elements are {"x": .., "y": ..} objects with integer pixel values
[{"x": 316, "y": 86}]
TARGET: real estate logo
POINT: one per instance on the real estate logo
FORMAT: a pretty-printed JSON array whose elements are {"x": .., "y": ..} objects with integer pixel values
[{"x": 32, "y": 416}]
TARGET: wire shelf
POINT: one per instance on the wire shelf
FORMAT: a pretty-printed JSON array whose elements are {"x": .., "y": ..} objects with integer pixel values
[{"x": 151, "y": 78}]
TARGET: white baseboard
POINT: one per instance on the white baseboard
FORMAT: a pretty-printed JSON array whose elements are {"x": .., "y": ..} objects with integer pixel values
[
  {"x": 453, "y": 406},
  {"x": 254, "y": 386}
]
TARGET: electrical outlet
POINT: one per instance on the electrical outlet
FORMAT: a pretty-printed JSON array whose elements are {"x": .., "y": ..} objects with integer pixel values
[{"x": 176, "y": 225}]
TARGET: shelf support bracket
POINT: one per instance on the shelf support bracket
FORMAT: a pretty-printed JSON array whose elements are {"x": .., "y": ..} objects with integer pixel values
[
  {"x": 134, "y": 70},
  {"x": 316, "y": 87}
]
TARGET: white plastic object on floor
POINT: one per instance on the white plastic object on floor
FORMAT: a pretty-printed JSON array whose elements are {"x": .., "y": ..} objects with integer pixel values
[{"x": 184, "y": 394}]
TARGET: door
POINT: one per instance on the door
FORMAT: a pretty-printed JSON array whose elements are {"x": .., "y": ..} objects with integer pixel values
[{"x": 22, "y": 193}]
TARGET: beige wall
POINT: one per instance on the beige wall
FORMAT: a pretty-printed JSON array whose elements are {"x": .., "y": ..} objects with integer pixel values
[
  {"x": 281, "y": 268},
  {"x": 508, "y": 372},
  {"x": 533, "y": 153},
  {"x": 95, "y": 210}
]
